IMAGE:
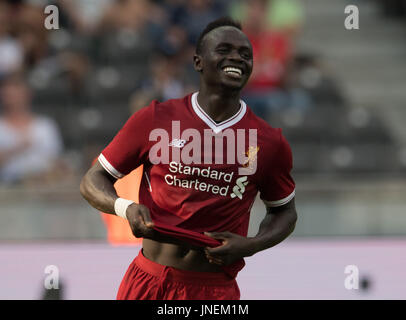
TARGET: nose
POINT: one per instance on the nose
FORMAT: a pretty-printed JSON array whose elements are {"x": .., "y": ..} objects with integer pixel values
[{"x": 235, "y": 56}]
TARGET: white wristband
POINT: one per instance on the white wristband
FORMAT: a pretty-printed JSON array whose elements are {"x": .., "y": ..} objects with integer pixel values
[{"x": 120, "y": 207}]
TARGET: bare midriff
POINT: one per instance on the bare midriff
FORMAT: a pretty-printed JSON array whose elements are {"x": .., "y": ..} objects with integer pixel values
[{"x": 177, "y": 256}]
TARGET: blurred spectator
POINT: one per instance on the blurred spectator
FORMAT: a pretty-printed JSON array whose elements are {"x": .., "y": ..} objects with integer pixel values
[
  {"x": 165, "y": 79},
  {"x": 165, "y": 82},
  {"x": 310, "y": 77},
  {"x": 272, "y": 43},
  {"x": 76, "y": 67},
  {"x": 284, "y": 16},
  {"x": 11, "y": 51},
  {"x": 272, "y": 50},
  {"x": 26, "y": 23},
  {"x": 127, "y": 24},
  {"x": 173, "y": 41},
  {"x": 175, "y": 9},
  {"x": 196, "y": 15},
  {"x": 272, "y": 53},
  {"x": 84, "y": 14},
  {"x": 29, "y": 144},
  {"x": 127, "y": 15},
  {"x": 80, "y": 16}
]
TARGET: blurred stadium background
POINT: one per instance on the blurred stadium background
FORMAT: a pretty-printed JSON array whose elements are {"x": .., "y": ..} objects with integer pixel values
[{"x": 338, "y": 94}]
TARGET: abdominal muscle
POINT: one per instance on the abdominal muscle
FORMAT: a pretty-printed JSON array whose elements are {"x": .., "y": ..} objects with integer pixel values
[{"x": 177, "y": 256}]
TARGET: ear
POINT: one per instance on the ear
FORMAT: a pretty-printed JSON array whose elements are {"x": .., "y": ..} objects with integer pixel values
[{"x": 197, "y": 63}]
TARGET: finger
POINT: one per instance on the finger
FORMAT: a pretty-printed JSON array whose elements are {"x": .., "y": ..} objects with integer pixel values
[
  {"x": 136, "y": 231},
  {"x": 211, "y": 257},
  {"x": 214, "y": 260},
  {"x": 217, "y": 262},
  {"x": 146, "y": 217},
  {"x": 218, "y": 251},
  {"x": 218, "y": 235},
  {"x": 143, "y": 232},
  {"x": 139, "y": 229}
]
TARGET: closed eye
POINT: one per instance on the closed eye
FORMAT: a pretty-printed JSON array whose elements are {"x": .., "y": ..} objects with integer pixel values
[
  {"x": 246, "y": 55},
  {"x": 223, "y": 50},
  {"x": 244, "y": 52}
]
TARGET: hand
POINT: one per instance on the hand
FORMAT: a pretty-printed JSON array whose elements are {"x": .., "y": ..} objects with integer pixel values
[
  {"x": 233, "y": 248},
  {"x": 140, "y": 221}
]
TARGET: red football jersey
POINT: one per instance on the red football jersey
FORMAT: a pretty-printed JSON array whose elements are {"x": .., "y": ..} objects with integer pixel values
[
  {"x": 200, "y": 175},
  {"x": 272, "y": 53}
]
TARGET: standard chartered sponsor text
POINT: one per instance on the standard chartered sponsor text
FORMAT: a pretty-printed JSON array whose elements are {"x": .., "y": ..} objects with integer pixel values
[{"x": 178, "y": 168}]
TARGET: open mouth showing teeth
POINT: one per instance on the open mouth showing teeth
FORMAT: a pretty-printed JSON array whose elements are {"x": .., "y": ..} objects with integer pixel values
[{"x": 233, "y": 71}]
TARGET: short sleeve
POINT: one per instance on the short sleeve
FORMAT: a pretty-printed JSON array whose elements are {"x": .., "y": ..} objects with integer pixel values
[
  {"x": 129, "y": 148},
  {"x": 278, "y": 187}
]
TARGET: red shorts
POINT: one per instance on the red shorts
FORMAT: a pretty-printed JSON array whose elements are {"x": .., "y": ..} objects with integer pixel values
[{"x": 148, "y": 280}]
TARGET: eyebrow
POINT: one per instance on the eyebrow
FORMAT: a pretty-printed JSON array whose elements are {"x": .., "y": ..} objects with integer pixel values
[{"x": 231, "y": 45}]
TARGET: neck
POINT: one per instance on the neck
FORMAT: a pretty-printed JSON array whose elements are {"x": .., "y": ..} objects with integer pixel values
[
  {"x": 219, "y": 105},
  {"x": 20, "y": 117}
]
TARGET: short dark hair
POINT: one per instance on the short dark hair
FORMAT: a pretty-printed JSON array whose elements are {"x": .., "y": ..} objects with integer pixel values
[{"x": 221, "y": 22}]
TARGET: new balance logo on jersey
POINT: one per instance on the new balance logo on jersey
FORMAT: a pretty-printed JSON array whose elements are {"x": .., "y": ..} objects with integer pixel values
[
  {"x": 239, "y": 188},
  {"x": 177, "y": 143},
  {"x": 191, "y": 146}
]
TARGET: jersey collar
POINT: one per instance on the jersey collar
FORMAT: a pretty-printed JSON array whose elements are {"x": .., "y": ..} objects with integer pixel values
[{"x": 217, "y": 127}]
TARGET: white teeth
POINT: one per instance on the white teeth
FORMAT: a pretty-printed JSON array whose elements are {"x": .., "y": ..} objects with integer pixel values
[{"x": 232, "y": 69}]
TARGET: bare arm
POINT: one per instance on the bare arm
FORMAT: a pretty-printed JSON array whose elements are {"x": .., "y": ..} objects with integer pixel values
[
  {"x": 97, "y": 187},
  {"x": 277, "y": 225}
]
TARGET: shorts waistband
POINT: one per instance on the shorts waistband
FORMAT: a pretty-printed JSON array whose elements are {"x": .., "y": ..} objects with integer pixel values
[{"x": 207, "y": 278}]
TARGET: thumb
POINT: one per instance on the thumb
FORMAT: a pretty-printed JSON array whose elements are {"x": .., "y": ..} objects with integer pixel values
[{"x": 218, "y": 235}]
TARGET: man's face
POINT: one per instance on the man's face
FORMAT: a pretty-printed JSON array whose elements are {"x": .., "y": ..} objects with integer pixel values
[
  {"x": 226, "y": 58},
  {"x": 14, "y": 97}
]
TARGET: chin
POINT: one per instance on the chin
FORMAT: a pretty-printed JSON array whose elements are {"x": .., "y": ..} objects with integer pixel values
[{"x": 232, "y": 86}]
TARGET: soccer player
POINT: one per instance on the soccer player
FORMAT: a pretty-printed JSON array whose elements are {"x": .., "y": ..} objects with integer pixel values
[{"x": 206, "y": 157}]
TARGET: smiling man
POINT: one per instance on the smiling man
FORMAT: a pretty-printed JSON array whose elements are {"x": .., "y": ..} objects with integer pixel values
[{"x": 195, "y": 202}]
